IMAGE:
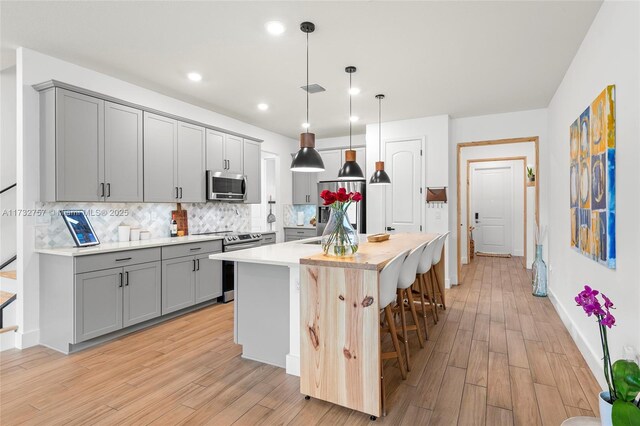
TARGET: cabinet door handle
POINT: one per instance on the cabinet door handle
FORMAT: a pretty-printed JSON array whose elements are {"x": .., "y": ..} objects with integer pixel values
[
  {"x": 126, "y": 276},
  {"x": 102, "y": 189},
  {"x": 194, "y": 265},
  {"x": 180, "y": 192},
  {"x": 123, "y": 259},
  {"x": 108, "y": 190},
  {"x": 120, "y": 279},
  {"x": 195, "y": 248},
  {"x": 176, "y": 192},
  {"x": 198, "y": 264}
]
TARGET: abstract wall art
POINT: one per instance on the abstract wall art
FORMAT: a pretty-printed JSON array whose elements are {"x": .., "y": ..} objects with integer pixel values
[{"x": 592, "y": 180}]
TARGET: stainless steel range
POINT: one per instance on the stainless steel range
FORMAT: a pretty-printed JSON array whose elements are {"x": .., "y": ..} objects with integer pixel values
[{"x": 233, "y": 241}]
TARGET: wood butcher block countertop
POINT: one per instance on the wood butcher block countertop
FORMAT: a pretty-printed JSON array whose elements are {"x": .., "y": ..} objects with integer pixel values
[{"x": 371, "y": 256}]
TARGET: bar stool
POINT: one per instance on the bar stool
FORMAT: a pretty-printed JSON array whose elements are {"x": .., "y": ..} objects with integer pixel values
[
  {"x": 437, "y": 255},
  {"x": 388, "y": 284},
  {"x": 423, "y": 287},
  {"x": 405, "y": 281}
]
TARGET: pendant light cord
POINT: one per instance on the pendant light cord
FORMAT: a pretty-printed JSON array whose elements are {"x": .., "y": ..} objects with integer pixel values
[
  {"x": 350, "y": 115},
  {"x": 379, "y": 129},
  {"x": 308, "y": 124}
]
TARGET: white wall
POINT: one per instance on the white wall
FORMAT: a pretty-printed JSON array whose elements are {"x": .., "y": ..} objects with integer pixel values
[
  {"x": 8, "y": 199},
  {"x": 340, "y": 142},
  {"x": 496, "y": 151},
  {"x": 33, "y": 68},
  {"x": 609, "y": 54},
  {"x": 491, "y": 127},
  {"x": 435, "y": 133}
]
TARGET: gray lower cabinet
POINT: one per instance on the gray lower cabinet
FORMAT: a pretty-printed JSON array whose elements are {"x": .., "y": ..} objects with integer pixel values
[
  {"x": 268, "y": 238},
  {"x": 98, "y": 303},
  {"x": 208, "y": 278},
  {"x": 179, "y": 284},
  {"x": 253, "y": 171},
  {"x": 190, "y": 280},
  {"x": 142, "y": 293},
  {"x": 295, "y": 234},
  {"x": 111, "y": 299}
]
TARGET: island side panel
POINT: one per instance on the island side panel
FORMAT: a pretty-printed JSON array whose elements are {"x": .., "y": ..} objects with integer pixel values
[
  {"x": 262, "y": 312},
  {"x": 340, "y": 337}
]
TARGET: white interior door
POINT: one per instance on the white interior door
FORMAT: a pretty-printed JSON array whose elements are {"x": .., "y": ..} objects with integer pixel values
[
  {"x": 492, "y": 209},
  {"x": 403, "y": 163}
]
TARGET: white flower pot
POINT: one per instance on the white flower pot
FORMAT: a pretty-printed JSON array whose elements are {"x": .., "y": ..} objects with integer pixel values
[{"x": 605, "y": 409}]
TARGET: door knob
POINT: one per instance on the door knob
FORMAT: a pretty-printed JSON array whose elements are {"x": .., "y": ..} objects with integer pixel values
[{"x": 390, "y": 228}]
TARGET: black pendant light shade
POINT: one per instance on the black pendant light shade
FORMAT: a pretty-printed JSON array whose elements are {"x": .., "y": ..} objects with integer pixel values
[
  {"x": 350, "y": 170},
  {"x": 380, "y": 177},
  {"x": 307, "y": 159}
]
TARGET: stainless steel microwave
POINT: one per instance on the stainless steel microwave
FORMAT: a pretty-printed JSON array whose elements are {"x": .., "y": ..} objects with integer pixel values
[{"x": 222, "y": 186}]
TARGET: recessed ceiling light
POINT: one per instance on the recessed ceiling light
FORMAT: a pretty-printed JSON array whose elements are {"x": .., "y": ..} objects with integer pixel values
[
  {"x": 263, "y": 107},
  {"x": 194, "y": 76},
  {"x": 354, "y": 91},
  {"x": 305, "y": 125},
  {"x": 275, "y": 27},
  {"x": 354, "y": 118}
]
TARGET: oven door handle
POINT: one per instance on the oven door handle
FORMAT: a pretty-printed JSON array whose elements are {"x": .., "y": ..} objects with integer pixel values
[{"x": 237, "y": 247}]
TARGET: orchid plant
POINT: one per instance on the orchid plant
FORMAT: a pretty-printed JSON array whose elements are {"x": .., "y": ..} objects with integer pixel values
[{"x": 623, "y": 377}]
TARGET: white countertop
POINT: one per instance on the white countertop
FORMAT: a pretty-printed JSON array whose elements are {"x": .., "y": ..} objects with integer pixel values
[
  {"x": 284, "y": 254},
  {"x": 129, "y": 245}
]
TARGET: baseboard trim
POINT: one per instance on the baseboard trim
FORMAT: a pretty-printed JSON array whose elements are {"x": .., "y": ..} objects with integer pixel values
[
  {"x": 28, "y": 339},
  {"x": 593, "y": 359},
  {"x": 293, "y": 365}
]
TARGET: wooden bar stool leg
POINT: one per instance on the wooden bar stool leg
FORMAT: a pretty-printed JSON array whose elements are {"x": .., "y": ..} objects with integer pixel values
[
  {"x": 405, "y": 335},
  {"x": 424, "y": 307},
  {"x": 436, "y": 288},
  {"x": 394, "y": 338},
  {"x": 426, "y": 280},
  {"x": 414, "y": 314}
]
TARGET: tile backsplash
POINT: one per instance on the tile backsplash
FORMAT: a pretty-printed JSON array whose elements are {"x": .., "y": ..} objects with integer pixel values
[
  {"x": 153, "y": 217},
  {"x": 291, "y": 213}
]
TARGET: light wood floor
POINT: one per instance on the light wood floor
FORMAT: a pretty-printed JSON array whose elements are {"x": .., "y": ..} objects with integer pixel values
[{"x": 497, "y": 356}]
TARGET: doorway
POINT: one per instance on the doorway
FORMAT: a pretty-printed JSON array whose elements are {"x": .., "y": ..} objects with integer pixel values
[
  {"x": 525, "y": 152},
  {"x": 403, "y": 162},
  {"x": 491, "y": 207}
]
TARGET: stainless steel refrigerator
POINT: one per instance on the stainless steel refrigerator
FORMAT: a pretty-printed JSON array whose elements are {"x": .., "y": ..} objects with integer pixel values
[{"x": 357, "y": 212}]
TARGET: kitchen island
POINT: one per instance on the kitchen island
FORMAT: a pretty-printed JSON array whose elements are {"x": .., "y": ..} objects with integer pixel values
[{"x": 318, "y": 316}]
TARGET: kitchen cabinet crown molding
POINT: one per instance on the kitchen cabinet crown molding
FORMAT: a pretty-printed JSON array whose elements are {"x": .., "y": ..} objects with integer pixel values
[{"x": 59, "y": 84}]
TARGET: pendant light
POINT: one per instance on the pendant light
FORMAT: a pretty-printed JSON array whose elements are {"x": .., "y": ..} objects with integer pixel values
[
  {"x": 380, "y": 177},
  {"x": 351, "y": 169},
  {"x": 307, "y": 159}
]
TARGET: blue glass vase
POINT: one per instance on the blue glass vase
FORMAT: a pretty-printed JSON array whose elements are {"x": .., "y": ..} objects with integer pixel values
[{"x": 539, "y": 274}]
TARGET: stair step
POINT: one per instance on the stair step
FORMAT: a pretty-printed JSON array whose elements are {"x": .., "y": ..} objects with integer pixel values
[
  {"x": 12, "y": 275},
  {"x": 6, "y": 298},
  {"x": 8, "y": 329}
]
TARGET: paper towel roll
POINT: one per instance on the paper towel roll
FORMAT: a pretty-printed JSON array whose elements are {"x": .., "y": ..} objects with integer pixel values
[
  {"x": 124, "y": 232},
  {"x": 300, "y": 219}
]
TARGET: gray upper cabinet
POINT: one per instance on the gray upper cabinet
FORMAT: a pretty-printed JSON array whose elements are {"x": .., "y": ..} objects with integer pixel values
[
  {"x": 333, "y": 161},
  {"x": 123, "y": 161},
  {"x": 215, "y": 151},
  {"x": 79, "y": 144},
  {"x": 191, "y": 163},
  {"x": 233, "y": 146},
  {"x": 305, "y": 188},
  {"x": 253, "y": 171},
  {"x": 208, "y": 278},
  {"x": 142, "y": 293},
  {"x": 98, "y": 303},
  {"x": 224, "y": 152},
  {"x": 160, "y": 145}
]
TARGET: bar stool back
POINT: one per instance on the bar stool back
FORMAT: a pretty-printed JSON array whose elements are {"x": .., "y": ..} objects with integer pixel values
[
  {"x": 388, "y": 284},
  {"x": 423, "y": 287},
  {"x": 406, "y": 279},
  {"x": 437, "y": 255}
]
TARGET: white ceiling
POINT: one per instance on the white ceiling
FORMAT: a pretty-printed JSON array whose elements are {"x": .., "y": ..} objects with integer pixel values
[{"x": 429, "y": 58}]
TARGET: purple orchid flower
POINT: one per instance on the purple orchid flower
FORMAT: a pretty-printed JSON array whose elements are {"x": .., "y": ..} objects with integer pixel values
[{"x": 608, "y": 320}]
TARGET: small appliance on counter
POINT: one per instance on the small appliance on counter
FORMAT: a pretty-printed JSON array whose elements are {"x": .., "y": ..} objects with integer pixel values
[
  {"x": 223, "y": 186},
  {"x": 233, "y": 241}
]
